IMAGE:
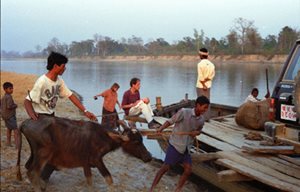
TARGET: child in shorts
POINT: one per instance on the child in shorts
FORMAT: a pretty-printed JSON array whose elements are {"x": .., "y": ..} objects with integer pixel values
[{"x": 8, "y": 113}]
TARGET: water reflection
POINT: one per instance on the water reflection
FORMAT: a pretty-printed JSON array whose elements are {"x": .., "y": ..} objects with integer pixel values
[{"x": 170, "y": 80}]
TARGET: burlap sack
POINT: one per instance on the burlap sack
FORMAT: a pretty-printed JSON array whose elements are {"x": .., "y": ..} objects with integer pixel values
[{"x": 253, "y": 115}]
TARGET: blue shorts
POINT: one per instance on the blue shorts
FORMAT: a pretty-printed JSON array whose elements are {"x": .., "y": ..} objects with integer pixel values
[
  {"x": 173, "y": 156},
  {"x": 11, "y": 123}
]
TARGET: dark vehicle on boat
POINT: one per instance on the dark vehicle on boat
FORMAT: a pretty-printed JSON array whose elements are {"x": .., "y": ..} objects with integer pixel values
[{"x": 286, "y": 93}]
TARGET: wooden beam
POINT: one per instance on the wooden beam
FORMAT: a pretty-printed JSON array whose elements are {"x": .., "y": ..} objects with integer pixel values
[
  {"x": 290, "y": 159},
  {"x": 275, "y": 163},
  {"x": 135, "y": 119},
  {"x": 209, "y": 174},
  {"x": 227, "y": 135},
  {"x": 231, "y": 176},
  {"x": 287, "y": 141},
  {"x": 220, "y": 145},
  {"x": 257, "y": 167},
  {"x": 269, "y": 149},
  {"x": 260, "y": 176},
  {"x": 200, "y": 157}
]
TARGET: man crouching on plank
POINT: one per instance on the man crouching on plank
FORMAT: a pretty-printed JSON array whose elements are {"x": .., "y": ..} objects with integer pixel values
[{"x": 188, "y": 124}]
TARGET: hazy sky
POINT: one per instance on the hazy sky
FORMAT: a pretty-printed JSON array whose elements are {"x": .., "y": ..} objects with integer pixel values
[{"x": 27, "y": 23}]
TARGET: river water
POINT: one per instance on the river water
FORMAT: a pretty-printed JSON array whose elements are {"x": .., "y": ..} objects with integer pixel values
[{"x": 170, "y": 80}]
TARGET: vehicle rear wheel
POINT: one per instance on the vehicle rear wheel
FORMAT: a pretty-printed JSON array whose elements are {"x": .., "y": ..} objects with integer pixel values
[{"x": 297, "y": 94}]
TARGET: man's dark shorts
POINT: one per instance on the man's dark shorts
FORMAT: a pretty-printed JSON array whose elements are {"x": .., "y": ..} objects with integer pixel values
[
  {"x": 173, "y": 156},
  {"x": 11, "y": 123}
]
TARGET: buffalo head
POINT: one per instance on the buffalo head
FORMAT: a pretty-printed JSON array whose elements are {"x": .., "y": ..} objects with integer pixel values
[{"x": 134, "y": 145}]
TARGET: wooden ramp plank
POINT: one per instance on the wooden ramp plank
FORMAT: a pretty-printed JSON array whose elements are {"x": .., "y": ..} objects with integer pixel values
[
  {"x": 209, "y": 174},
  {"x": 232, "y": 176},
  {"x": 259, "y": 167},
  {"x": 224, "y": 134},
  {"x": 269, "y": 149},
  {"x": 135, "y": 119},
  {"x": 270, "y": 161},
  {"x": 293, "y": 161},
  {"x": 215, "y": 143},
  {"x": 200, "y": 157},
  {"x": 260, "y": 176}
]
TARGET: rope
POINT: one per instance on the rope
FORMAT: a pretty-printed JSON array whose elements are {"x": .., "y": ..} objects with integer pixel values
[{"x": 165, "y": 134}]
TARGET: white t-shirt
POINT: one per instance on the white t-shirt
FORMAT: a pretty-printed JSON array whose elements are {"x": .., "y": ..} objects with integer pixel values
[
  {"x": 253, "y": 99},
  {"x": 45, "y": 93},
  {"x": 206, "y": 69}
]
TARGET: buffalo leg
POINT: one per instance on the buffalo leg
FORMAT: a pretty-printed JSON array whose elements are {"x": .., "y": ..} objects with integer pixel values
[
  {"x": 104, "y": 172},
  {"x": 47, "y": 171},
  {"x": 88, "y": 176}
]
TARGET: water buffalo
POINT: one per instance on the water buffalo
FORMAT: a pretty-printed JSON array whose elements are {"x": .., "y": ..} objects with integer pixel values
[{"x": 64, "y": 143}]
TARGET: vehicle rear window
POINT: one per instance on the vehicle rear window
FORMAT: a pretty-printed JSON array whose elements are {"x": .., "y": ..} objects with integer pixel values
[{"x": 294, "y": 65}]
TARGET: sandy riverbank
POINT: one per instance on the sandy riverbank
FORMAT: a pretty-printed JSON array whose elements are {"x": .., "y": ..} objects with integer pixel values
[{"x": 129, "y": 174}]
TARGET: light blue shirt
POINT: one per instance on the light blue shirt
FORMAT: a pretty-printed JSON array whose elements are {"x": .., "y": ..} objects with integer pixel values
[{"x": 185, "y": 120}]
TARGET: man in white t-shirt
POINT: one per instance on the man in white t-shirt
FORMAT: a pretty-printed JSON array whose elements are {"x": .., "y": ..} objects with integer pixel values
[
  {"x": 49, "y": 87},
  {"x": 43, "y": 97},
  {"x": 253, "y": 96},
  {"x": 206, "y": 73}
]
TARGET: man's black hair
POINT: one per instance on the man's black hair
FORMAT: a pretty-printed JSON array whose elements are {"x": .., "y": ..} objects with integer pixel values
[
  {"x": 203, "y": 50},
  {"x": 133, "y": 81},
  {"x": 56, "y": 58},
  {"x": 7, "y": 85},
  {"x": 253, "y": 90},
  {"x": 202, "y": 100}
]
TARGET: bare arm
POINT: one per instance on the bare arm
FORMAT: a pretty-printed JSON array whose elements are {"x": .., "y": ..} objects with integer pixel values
[
  {"x": 29, "y": 109},
  {"x": 165, "y": 125},
  {"x": 79, "y": 105}
]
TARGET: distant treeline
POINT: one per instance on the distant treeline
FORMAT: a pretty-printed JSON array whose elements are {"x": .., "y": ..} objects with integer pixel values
[{"x": 243, "y": 38}]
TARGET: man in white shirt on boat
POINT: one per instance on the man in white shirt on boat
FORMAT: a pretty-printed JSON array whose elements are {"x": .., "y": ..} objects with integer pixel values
[{"x": 253, "y": 96}]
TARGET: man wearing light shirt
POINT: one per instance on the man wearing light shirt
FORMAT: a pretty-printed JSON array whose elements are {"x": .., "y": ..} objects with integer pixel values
[{"x": 206, "y": 73}]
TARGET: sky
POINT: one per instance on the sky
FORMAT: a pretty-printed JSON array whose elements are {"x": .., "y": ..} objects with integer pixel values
[{"x": 28, "y": 23}]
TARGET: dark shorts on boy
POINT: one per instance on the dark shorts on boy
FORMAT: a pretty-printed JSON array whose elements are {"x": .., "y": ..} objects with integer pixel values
[
  {"x": 173, "y": 156},
  {"x": 11, "y": 123}
]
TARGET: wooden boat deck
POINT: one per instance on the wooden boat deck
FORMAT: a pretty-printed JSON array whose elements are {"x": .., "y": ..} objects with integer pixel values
[{"x": 228, "y": 160}]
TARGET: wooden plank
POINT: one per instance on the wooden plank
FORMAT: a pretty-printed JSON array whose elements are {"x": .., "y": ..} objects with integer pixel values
[
  {"x": 259, "y": 167},
  {"x": 231, "y": 176},
  {"x": 269, "y": 149},
  {"x": 287, "y": 141},
  {"x": 154, "y": 131},
  {"x": 229, "y": 125},
  {"x": 200, "y": 157},
  {"x": 270, "y": 161},
  {"x": 215, "y": 143},
  {"x": 260, "y": 176},
  {"x": 135, "y": 119},
  {"x": 290, "y": 159},
  {"x": 224, "y": 134},
  {"x": 209, "y": 174}
]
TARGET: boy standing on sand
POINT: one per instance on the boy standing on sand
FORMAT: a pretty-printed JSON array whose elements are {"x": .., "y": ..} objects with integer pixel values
[
  {"x": 8, "y": 113},
  {"x": 188, "y": 124}
]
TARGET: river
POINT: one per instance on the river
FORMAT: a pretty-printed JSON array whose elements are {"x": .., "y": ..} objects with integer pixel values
[{"x": 170, "y": 80}]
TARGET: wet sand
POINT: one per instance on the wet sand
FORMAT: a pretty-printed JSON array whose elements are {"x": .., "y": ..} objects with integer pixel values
[{"x": 129, "y": 174}]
